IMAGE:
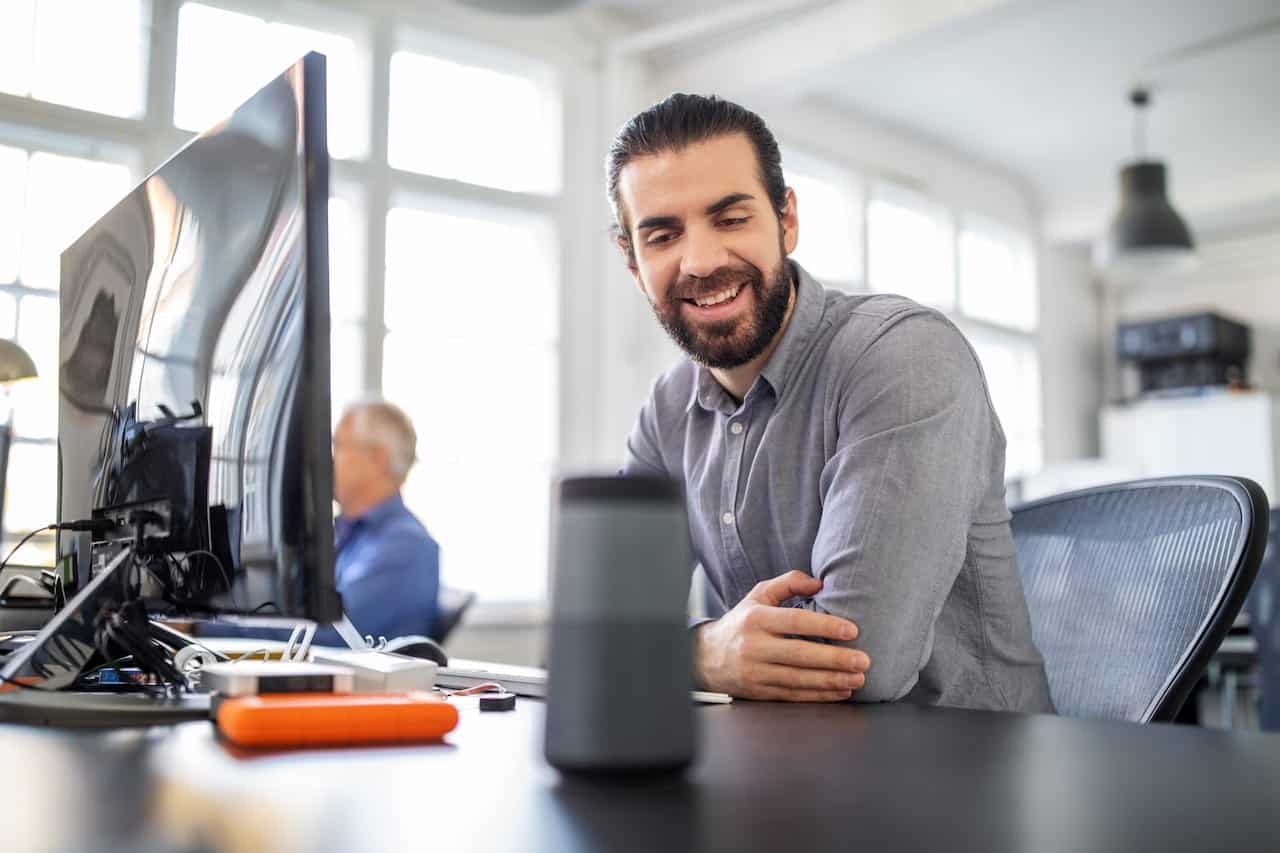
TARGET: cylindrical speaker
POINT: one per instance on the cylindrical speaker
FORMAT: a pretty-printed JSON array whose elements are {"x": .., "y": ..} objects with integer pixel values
[{"x": 620, "y": 663}]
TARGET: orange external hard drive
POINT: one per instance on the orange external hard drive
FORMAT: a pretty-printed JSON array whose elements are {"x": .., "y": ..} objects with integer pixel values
[{"x": 334, "y": 719}]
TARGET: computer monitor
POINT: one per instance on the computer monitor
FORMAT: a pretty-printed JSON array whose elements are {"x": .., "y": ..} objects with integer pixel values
[{"x": 193, "y": 414}]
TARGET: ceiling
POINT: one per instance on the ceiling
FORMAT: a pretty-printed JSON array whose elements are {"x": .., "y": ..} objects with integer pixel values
[{"x": 1041, "y": 90}]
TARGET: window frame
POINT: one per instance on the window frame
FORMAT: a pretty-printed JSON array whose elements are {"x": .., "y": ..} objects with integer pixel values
[{"x": 365, "y": 181}]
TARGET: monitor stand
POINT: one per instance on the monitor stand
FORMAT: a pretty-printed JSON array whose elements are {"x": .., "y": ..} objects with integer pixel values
[{"x": 36, "y": 677}]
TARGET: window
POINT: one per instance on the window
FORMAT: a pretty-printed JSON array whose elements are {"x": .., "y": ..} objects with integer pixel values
[
  {"x": 81, "y": 53},
  {"x": 1012, "y": 367},
  {"x": 830, "y": 208},
  {"x": 53, "y": 200},
  {"x": 511, "y": 142},
  {"x": 471, "y": 354},
  {"x": 64, "y": 195},
  {"x": 346, "y": 303},
  {"x": 997, "y": 276},
  {"x": 224, "y": 57},
  {"x": 910, "y": 247}
]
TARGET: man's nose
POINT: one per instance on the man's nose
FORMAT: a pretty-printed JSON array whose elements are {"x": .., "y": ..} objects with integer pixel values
[{"x": 704, "y": 253}]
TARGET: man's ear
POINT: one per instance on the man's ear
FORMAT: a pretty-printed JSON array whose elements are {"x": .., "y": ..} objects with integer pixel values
[
  {"x": 790, "y": 222},
  {"x": 628, "y": 255},
  {"x": 381, "y": 458}
]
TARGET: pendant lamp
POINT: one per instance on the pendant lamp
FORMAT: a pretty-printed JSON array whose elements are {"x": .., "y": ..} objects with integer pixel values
[{"x": 1147, "y": 238}]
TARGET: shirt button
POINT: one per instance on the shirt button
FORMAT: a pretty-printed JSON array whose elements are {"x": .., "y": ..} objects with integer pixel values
[
  {"x": 736, "y": 428},
  {"x": 727, "y": 518}
]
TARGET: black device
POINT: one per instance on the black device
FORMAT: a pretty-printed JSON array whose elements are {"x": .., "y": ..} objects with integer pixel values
[
  {"x": 620, "y": 664},
  {"x": 193, "y": 422},
  {"x": 1197, "y": 350},
  {"x": 418, "y": 646}
]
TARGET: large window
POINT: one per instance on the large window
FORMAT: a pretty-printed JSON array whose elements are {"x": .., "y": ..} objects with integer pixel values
[
  {"x": 910, "y": 247},
  {"x": 483, "y": 126},
  {"x": 48, "y": 201},
  {"x": 225, "y": 56},
  {"x": 88, "y": 54},
  {"x": 997, "y": 275},
  {"x": 1012, "y": 368},
  {"x": 457, "y": 319},
  {"x": 830, "y": 204},
  {"x": 471, "y": 354},
  {"x": 348, "y": 300}
]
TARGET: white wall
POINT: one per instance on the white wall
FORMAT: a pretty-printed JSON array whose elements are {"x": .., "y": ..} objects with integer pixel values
[{"x": 1072, "y": 353}]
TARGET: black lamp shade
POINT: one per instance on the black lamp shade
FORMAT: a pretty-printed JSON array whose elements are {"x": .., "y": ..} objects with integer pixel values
[{"x": 1147, "y": 236}]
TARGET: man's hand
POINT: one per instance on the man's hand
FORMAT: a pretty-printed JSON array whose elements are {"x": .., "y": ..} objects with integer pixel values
[{"x": 749, "y": 651}]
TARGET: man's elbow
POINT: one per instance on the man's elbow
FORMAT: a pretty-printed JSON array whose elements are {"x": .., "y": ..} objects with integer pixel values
[
  {"x": 888, "y": 680},
  {"x": 883, "y": 689}
]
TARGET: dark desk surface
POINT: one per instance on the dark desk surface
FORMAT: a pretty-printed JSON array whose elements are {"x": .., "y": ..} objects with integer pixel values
[{"x": 771, "y": 777}]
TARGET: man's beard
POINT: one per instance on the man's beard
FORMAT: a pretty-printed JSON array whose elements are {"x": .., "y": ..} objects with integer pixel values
[{"x": 731, "y": 343}]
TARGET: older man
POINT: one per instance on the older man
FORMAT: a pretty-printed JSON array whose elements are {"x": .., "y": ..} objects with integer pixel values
[{"x": 388, "y": 566}]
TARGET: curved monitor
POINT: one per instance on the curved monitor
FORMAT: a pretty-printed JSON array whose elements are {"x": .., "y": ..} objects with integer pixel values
[{"x": 194, "y": 368}]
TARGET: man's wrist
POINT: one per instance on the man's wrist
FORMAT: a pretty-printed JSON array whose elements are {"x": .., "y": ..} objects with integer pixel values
[{"x": 696, "y": 639}]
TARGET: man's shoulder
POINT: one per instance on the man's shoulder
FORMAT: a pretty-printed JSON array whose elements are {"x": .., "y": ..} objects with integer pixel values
[
  {"x": 906, "y": 326},
  {"x": 404, "y": 530}
]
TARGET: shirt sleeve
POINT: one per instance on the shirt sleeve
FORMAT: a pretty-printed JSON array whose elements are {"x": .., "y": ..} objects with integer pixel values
[
  {"x": 396, "y": 592},
  {"x": 644, "y": 456},
  {"x": 912, "y": 461},
  {"x": 644, "y": 449}
]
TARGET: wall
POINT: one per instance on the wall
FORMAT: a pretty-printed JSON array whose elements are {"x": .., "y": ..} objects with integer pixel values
[{"x": 1071, "y": 349}]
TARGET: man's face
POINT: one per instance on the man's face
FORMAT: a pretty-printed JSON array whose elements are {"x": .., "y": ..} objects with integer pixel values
[
  {"x": 355, "y": 464},
  {"x": 710, "y": 251}
]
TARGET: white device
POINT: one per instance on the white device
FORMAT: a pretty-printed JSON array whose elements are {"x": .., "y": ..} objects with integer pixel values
[
  {"x": 526, "y": 680},
  {"x": 251, "y": 677},
  {"x": 380, "y": 672}
]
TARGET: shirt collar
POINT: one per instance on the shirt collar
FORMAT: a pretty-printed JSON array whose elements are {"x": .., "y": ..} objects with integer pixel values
[
  {"x": 378, "y": 513},
  {"x": 805, "y": 319}
]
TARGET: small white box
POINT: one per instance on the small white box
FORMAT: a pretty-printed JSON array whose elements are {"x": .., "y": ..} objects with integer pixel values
[{"x": 381, "y": 672}]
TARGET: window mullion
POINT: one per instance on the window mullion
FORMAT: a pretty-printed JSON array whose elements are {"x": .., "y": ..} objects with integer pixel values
[{"x": 377, "y": 202}]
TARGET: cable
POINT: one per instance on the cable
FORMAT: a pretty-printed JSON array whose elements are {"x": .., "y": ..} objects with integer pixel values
[
  {"x": 24, "y": 541},
  {"x": 225, "y": 574},
  {"x": 20, "y": 579}
]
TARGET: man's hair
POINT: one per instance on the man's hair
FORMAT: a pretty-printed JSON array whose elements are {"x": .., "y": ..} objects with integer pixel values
[
  {"x": 681, "y": 120},
  {"x": 375, "y": 421}
]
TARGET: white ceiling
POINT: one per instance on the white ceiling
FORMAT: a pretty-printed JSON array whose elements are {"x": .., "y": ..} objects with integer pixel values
[{"x": 1040, "y": 88}]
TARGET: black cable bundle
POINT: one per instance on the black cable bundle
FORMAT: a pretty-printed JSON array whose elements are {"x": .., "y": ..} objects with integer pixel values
[{"x": 127, "y": 631}]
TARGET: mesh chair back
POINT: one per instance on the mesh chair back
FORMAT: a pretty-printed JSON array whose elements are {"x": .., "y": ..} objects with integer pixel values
[
  {"x": 450, "y": 607},
  {"x": 1131, "y": 587}
]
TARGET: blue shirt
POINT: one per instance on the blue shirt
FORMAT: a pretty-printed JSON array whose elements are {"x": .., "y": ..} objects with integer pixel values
[{"x": 387, "y": 571}]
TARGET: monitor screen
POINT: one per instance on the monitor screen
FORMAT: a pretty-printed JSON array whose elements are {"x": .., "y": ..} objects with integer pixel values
[{"x": 194, "y": 368}]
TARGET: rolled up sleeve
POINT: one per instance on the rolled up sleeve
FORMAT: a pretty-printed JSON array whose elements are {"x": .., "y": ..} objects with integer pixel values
[{"x": 899, "y": 494}]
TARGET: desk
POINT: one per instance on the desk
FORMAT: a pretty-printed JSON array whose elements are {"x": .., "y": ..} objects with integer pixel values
[{"x": 771, "y": 777}]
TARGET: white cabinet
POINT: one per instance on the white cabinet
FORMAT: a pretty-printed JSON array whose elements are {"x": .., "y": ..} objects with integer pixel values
[{"x": 1220, "y": 433}]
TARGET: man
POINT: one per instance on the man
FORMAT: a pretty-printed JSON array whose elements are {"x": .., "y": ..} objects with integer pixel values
[
  {"x": 387, "y": 566},
  {"x": 843, "y": 465}
]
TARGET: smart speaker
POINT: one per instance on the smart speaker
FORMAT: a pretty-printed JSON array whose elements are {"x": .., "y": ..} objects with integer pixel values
[{"x": 620, "y": 669}]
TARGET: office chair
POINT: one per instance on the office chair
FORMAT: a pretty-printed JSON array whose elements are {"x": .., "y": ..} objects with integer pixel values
[
  {"x": 450, "y": 607},
  {"x": 1132, "y": 586},
  {"x": 1263, "y": 607}
]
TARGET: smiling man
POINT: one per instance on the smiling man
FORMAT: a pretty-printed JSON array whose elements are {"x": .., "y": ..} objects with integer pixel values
[{"x": 843, "y": 466}]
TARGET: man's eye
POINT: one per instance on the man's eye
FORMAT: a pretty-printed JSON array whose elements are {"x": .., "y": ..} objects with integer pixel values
[
  {"x": 736, "y": 220},
  {"x": 661, "y": 237}
]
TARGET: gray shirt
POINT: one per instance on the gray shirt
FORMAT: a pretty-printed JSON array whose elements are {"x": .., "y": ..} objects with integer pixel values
[{"x": 866, "y": 453}]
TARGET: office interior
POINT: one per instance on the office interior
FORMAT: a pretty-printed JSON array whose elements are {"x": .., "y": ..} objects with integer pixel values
[{"x": 964, "y": 155}]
